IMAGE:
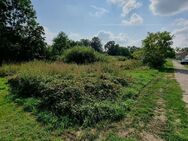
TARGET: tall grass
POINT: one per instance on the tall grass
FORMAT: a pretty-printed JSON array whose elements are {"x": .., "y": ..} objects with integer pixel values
[{"x": 65, "y": 95}]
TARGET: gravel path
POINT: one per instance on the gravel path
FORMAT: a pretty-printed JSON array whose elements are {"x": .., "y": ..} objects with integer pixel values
[{"x": 181, "y": 74}]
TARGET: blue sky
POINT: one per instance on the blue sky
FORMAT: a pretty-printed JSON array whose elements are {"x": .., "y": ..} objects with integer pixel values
[{"x": 125, "y": 21}]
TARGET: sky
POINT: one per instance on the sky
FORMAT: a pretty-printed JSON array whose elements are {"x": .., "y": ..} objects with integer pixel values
[{"x": 125, "y": 21}]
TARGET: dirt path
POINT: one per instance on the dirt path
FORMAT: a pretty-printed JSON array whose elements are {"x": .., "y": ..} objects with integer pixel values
[{"x": 181, "y": 74}]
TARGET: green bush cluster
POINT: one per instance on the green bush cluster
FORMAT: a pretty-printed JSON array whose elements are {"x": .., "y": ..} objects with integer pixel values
[
  {"x": 76, "y": 100},
  {"x": 80, "y": 55}
]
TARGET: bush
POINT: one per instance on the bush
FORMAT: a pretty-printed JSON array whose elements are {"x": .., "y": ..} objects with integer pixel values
[
  {"x": 156, "y": 48},
  {"x": 84, "y": 101},
  {"x": 80, "y": 55}
]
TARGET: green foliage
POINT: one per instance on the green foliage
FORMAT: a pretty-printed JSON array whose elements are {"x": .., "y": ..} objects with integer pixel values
[
  {"x": 132, "y": 49},
  {"x": 21, "y": 36},
  {"x": 138, "y": 54},
  {"x": 96, "y": 44},
  {"x": 70, "y": 94},
  {"x": 177, "y": 117},
  {"x": 85, "y": 42},
  {"x": 156, "y": 47},
  {"x": 15, "y": 124},
  {"x": 116, "y": 50},
  {"x": 171, "y": 53},
  {"x": 80, "y": 55},
  {"x": 60, "y": 44},
  {"x": 86, "y": 104},
  {"x": 66, "y": 98}
]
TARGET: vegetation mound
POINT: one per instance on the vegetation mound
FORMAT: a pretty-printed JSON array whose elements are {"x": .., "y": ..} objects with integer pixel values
[
  {"x": 80, "y": 55},
  {"x": 68, "y": 95}
]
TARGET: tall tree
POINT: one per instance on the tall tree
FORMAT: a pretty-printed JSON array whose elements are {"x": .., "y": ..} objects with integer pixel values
[
  {"x": 85, "y": 42},
  {"x": 114, "y": 49},
  {"x": 21, "y": 37},
  {"x": 96, "y": 44},
  {"x": 156, "y": 47},
  {"x": 60, "y": 43},
  {"x": 109, "y": 45}
]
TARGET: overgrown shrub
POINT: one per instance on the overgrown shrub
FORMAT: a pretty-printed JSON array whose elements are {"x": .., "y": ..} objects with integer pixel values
[
  {"x": 65, "y": 95},
  {"x": 84, "y": 101},
  {"x": 80, "y": 55},
  {"x": 156, "y": 48}
]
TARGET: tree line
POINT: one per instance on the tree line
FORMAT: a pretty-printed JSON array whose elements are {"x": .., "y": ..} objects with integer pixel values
[{"x": 62, "y": 43}]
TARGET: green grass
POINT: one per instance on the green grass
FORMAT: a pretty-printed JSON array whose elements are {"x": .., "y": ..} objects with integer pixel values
[
  {"x": 165, "y": 88},
  {"x": 113, "y": 137},
  {"x": 15, "y": 124},
  {"x": 145, "y": 88},
  {"x": 177, "y": 114}
]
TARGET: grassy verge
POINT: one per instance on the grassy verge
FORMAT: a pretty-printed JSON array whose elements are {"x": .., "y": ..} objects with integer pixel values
[
  {"x": 174, "y": 124},
  {"x": 177, "y": 123},
  {"x": 15, "y": 124}
]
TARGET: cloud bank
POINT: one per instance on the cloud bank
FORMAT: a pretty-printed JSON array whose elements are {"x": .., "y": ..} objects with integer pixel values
[{"x": 168, "y": 7}]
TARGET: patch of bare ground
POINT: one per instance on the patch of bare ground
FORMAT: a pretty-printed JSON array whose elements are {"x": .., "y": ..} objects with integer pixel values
[{"x": 149, "y": 137}]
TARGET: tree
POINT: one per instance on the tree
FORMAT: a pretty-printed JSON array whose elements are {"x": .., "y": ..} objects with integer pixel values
[
  {"x": 109, "y": 45},
  {"x": 171, "y": 53},
  {"x": 85, "y": 42},
  {"x": 138, "y": 54},
  {"x": 114, "y": 49},
  {"x": 132, "y": 49},
  {"x": 124, "y": 52},
  {"x": 156, "y": 46},
  {"x": 60, "y": 44},
  {"x": 21, "y": 37},
  {"x": 96, "y": 44}
]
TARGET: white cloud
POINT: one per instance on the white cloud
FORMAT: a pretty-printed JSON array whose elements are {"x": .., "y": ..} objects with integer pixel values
[
  {"x": 181, "y": 22},
  {"x": 129, "y": 6},
  {"x": 181, "y": 37},
  {"x": 126, "y": 5},
  {"x": 168, "y": 7},
  {"x": 135, "y": 19},
  {"x": 120, "y": 38},
  {"x": 99, "y": 11},
  {"x": 180, "y": 31},
  {"x": 49, "y": 35},
  {"x": 106, "y": 36}
]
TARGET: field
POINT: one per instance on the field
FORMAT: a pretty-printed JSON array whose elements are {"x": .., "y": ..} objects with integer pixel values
[{"x": 115, "y": 100}]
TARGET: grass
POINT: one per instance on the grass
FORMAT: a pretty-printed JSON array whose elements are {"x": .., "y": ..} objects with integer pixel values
[
  {"x": 177, "y": 114},
  {"x": 143, "y": 95},
  {"x": 15, "y": 124},
  {"x": 141, "y": 118}
]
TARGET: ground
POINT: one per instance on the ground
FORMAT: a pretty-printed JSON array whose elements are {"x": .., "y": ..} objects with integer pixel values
[
  {"x": 15, "y": 124},
  {"x": 159, "y": 114},
  {"x": 181, "y": 74}
]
